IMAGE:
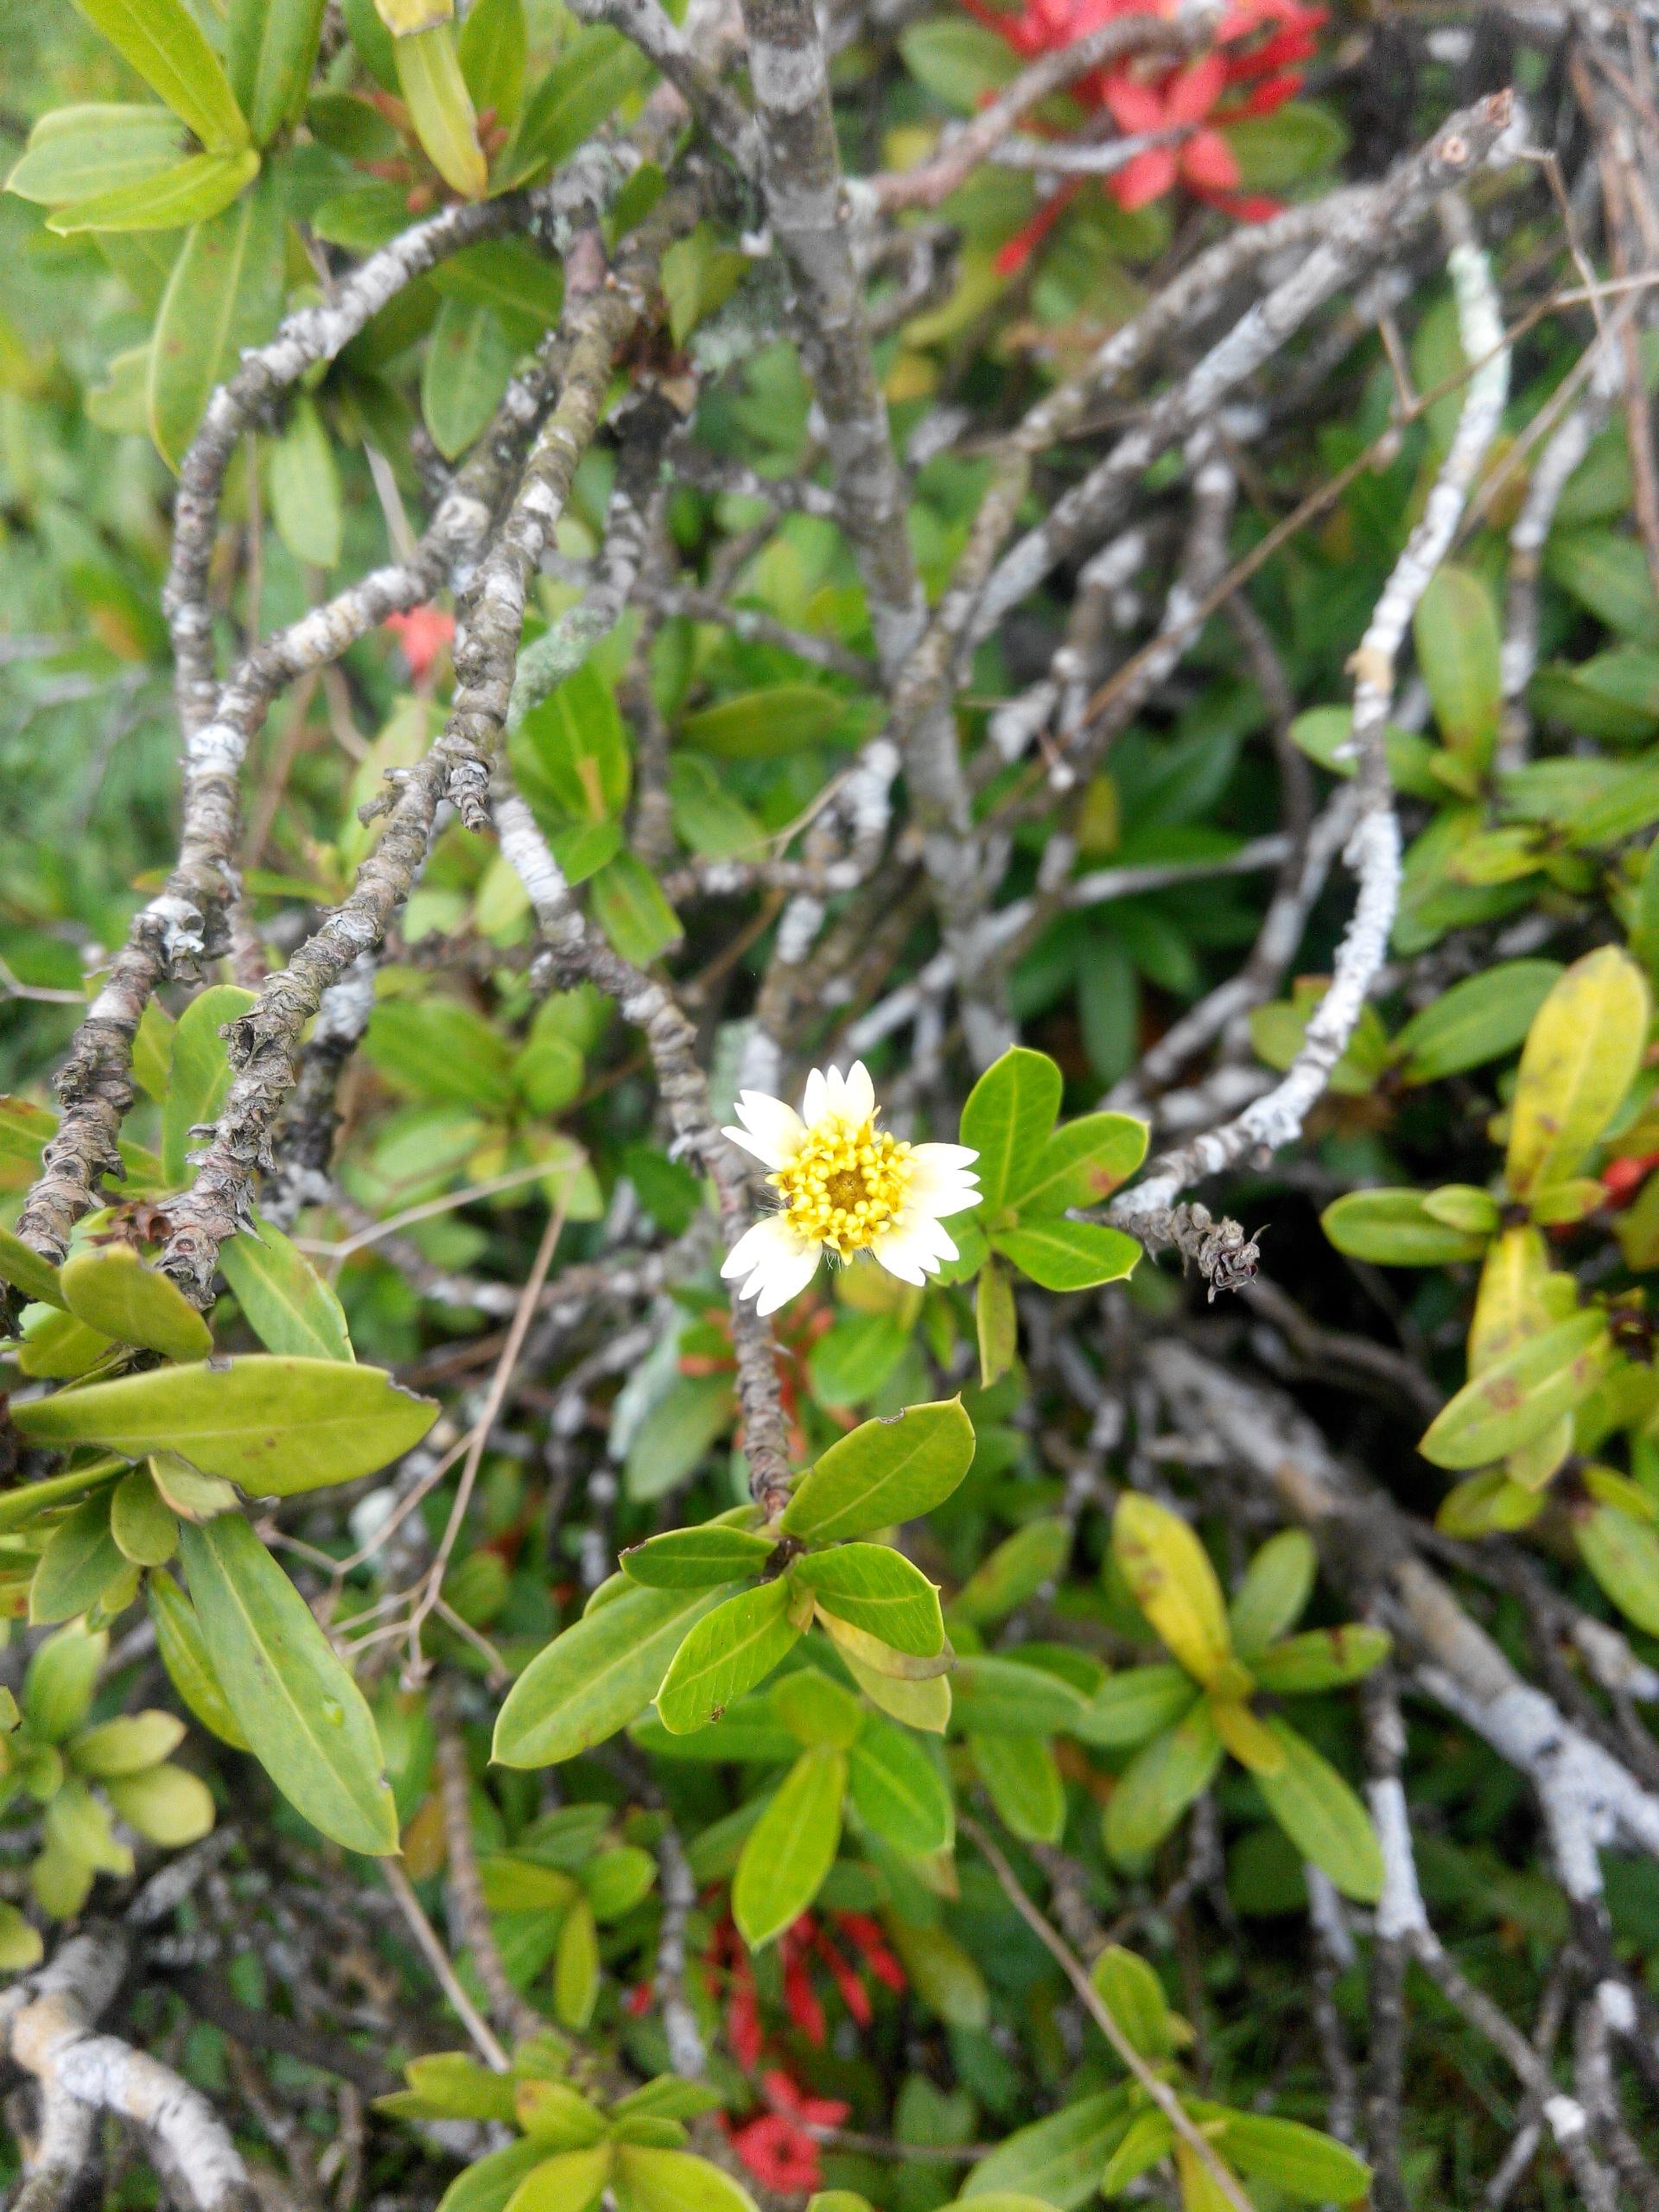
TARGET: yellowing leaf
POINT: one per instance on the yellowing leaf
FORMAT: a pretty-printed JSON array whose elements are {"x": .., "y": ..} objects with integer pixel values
[
  {"x": 1168, "y": 1571},
  {"x": 110, "y": 1288},
  {"x": 1580, "y": 1057}
]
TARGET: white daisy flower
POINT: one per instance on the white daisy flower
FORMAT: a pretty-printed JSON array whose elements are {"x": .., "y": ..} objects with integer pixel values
[{"x": 845, "y": 1187}]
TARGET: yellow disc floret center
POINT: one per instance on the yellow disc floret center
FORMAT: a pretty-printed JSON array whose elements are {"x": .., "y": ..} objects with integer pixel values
[{"x": 845, "y": 1185}]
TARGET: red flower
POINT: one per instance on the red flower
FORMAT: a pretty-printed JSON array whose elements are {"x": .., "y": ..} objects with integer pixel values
[
  {"x": 1258, "y": 44},
  {"x": 776, "y": 2147},
  {"x": 1622, "y": 1178},
  {"x": 423, "y": 632}
]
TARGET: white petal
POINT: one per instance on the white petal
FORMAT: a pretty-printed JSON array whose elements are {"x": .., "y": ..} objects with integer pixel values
[
  {"x": 775, "y": 1132},
  {"x": 860, "y": 1093},
  {"x": 785, "y": 1277},
  {"x": 938, "y": 1184},
  {"x": 945, "y": 1155},
  {"x": 754, "y": 1247},
  {"x": 912, "y": 1249},
  {"x": 816, "y": 1098}
]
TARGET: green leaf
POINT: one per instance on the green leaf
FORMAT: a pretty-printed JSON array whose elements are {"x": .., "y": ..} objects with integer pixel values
[
  {"x": 1321, "y": 1658},
  {"x": 1058, "y": 2159},
  {"x": 957, "y": 62},
  {"x": 301, "y": 1712},
  {"x": 1322, "y": 1816},
  {"x": 1001, "y": 1697},
  {"x": 166, "y": 1804},
  {"x": 1520, "y": 1395},
  {"x": 898, "y": 1791},
  {"x": 1069, "y": 1254},
  {"x": 270, "y": 49},
  {"x": 596, "y": 1677},
  {"x": 80, "y": 152},
  {"x": 1020, "y": 1566},
  {"x": 1133, "y": 1704},
  {"x": 942, "y": 1974},
  {"x": 791, "y": 1847},
  {"x": 1393, "y": 1228},
  {"x": 677, "y": 1434},
  {"x": 1081, "y": 1164},
  {"x": 56, "y": 1346},
  {"x": 144, "y": 1526},
  {"x": 1023, "y": 1784},
  {"x": 61, "y": 1675},
  {"x": 81, "y": 1560},
  {"x": 1580, "y": 1057},
  {"x": 877, "y": 1589},
  {"x": 555, "y": 2115},
  {"x": 525, "y": 289},
  {"x": 699, "y": 274},
  {"x": 494, "y": 40},
  {"x": 1169, "y": 1573},
  {"x": 225, "y": 295},
  {"x": 674, "y": 2181},
  {"x": 708, "y": 817},
  {"x": 441, "y": 108},
  {"x": 487, "y": 2185},
  {"x": 883, "y": 1472},
  {"x": 1455, "y": 632},
  {"x": 997, "y": 1323},
  {"x": 1152, "y": 2137},
  {"x": 814, "y": 1710},
  {"x": 582, "y": 758},
  {"x": 748, "y": 1732},
  {"x": 1158, "y": 1785},
  {"x": 1622, "y": 1554},
  {"x": 110, "y": 1289},
  {"x": 1483, "y": 1018},
  {"x": 21, "y": 1945},
  {"x": 1008, "y": 1118},
  {"x": 1295, "y": 142},
  {"x": 568, "y": 2181},
  {"x": 196, "y": 188},
  {"x": 184, "y": 1654},
  {"x": 303, "y": 482},
  {"x": 25, "y": 1270},
  {"x": 468, "y": 361},
  {"x": 726, "y": 1652},
  {"x": 201, "y": 1073},
  {"x": 283, "y": 1300},
  {"x": 1275, "y": 1591},
  {"x": 629, "y": 906},
  {"x": 1299, "y": 2160},
  {"x": 697, "y": 1559},
  {"x": 597, "y": 69},
  {"x": 439, "y": 1049},
  {"x": 1133, "y": 1994},
  {"x": 855, "y": 1355},
  {"x": 276, "y": 1426},
  {"x": 163, "y": 42},
  {"x": 576, "y": 1968},
  {"x": 1608, "y": 574},
  {"x": 783, "y": 719}
]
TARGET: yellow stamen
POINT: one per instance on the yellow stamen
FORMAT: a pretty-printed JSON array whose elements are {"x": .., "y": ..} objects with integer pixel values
[{"x": 846, "y": 1184}]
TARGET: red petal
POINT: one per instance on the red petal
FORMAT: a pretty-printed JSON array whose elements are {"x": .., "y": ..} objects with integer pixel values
[
  {"x": 801, "y": 2000},
  {"x": 1209, "y": 163},
  {"x": 1134, "y": 104},
  {"x": 1148, "y": 176},
  {"x": 1193, "y": 92}
]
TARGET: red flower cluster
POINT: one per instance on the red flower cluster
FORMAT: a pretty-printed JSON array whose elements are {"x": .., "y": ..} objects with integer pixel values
[
  {"x": 423, "y": 632},
  {"x": 775, "y": 2145},
  {"x": 1622, "y": 1178},
  {"x": 1250, "y": 70}
]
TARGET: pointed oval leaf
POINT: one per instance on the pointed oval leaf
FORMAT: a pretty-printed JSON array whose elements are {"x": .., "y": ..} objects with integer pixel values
[
  {"x": 165, "y": 44},
  {"x": 1275, "y": 1588},
  {"x": 1023, "y": 1784},
  {"x": 201, "y": 1073},
  {"x": 1008, "y": 1118},
  {"x": 270, "y": 49},
  {"x": 1133, "y": 1994},
  {"x": 1058, "y": 2160},
  {"x": 1322, "y": 1816},
  {"x": 695, "y": 1559},
  {"x": 1580, "y": 1057},
  {"x": 674, "y": 2181},
  {"x": 1065, "y": 1255},
  {"x": 791, "y": 1847},
  {"x": 275, "y": 1426},
  {"x": 1455, "y": 632},
  {"x": 1001, "y": 1697},
  {"x": 1169, "y": 1573},
  {"x": 599, "y": 1675},
  {"x": 1622, "y": 1554},
  {"x": 1016, "y": 1570},
  {"x": 1158, "y": 1785},
  {"x": 1083, "y": 1163},
  {"x": 127, "y": 1745},
  {"x": 1520, "y": 1395},
  {"x": 81, "y": 1560},
  {"x": 62, "y": 1675},
  {"x": 283, "y": 1300},
  {"x": 898, "y": 1791},
  {"x": 184, "y": 1654},
  {"x": 568, "y": 2181},
  {"x": 303, "y": 1716},
  {"x": 440, "y": 107},
  {"x": 728, "y": 1651},
  {"x": 814, "y": 1710},
  {"x": 1481, "y": 1019},
  {"x": 1322, "y": 1658},
  {"x": 191, "y": 192},
  {"x": 225, "y": 295},
  {"x": 1301, "y": 2161},
  {"x": 575, "y": 1967},
  {"x": 142, "y": 1523},
  {"x": 75, "y": 152},
  {"x": 884, "y": 1472},
  {"x": 167, "y": 1804},
  {"x": 1393, "y": 1228},
  {"x": 877, "y": 1590},
  {"x": 1134, "y": 1704},
  {"x": 110, "y": 1288}
]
